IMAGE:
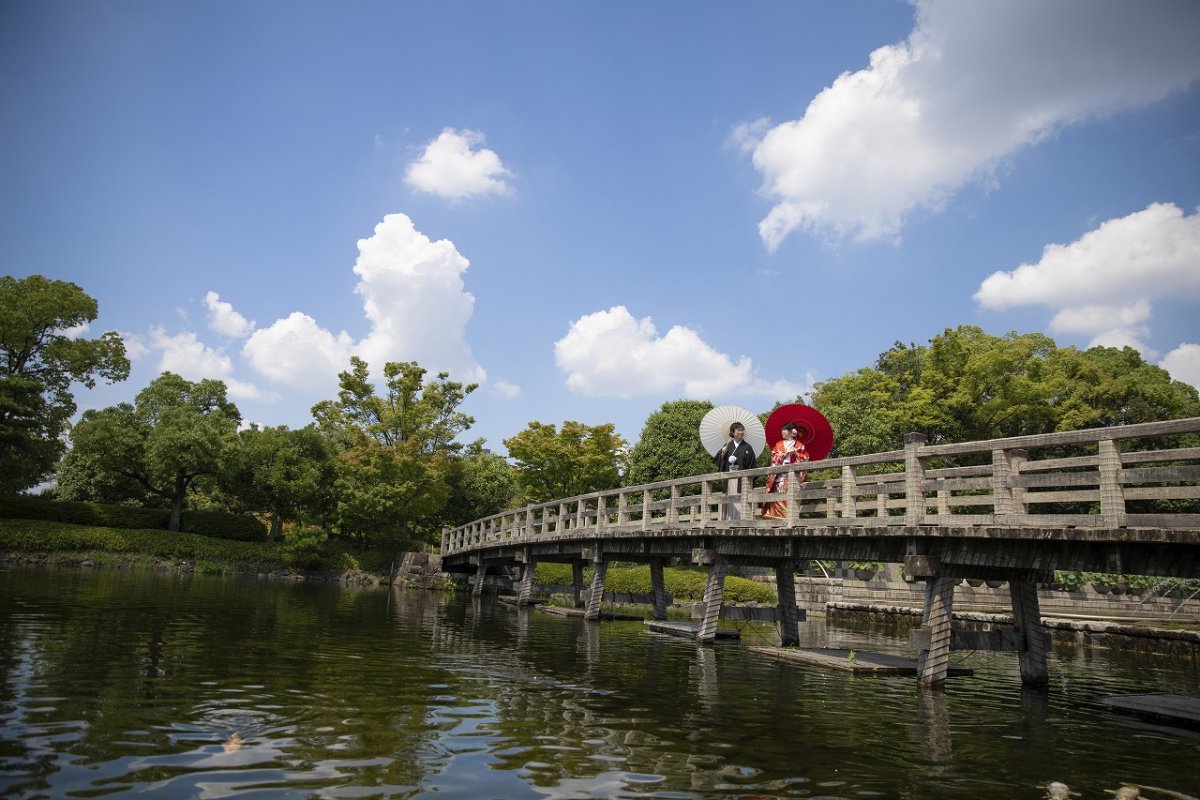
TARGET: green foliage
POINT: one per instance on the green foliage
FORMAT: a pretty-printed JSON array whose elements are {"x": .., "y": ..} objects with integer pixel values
[
  {"x": 682, "y": 583},
  {"x": 304, "y": 546},
  {"x": 39, "y": 360},
  {"x": 967, "y": 385},
  {"x": 40, "y": 536},
  {"x": 866, "y": 566},
  {"x": 669, "y": 446},
  {"x": 384, "y": 491},
  {"x": 286, "y": 473},
  {"x": 576, "y": 460},
  {"x": 176, "y": 432},
  {"x": 217, "y": 524},
  {"x": 481, "y": 484}
]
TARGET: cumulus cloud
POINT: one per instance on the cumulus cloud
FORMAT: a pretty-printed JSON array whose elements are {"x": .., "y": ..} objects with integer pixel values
[
  {"x": 1184, "y": 363},
  {"x": 456, "y": 166},
  {"x": 75, "y": 331},
  {"x": 1103, "y": 283},
  {"x": 1151, "y": 253},
  {"x": 971, "y": 85},
  {"x": 186, "y": 356},
  {"x": 223, "y": 319},
  {"x": 298, "y": 352},
  {"x": 415, "y": 300},
  {"x": 414, "y": 296},
  {"x": 611, "y": 354}
]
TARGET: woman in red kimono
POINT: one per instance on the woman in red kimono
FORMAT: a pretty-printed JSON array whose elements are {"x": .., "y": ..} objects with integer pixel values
[{"x": 787, "y": 450}]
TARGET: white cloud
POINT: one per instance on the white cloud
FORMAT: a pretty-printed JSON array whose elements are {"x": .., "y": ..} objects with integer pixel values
[
  {"x": 451, "y": 168},
  {"x": 414, "y": 297},
  {"x": 1150, "y": 253},
  {"x": 75, "y": 331},
  {"x": 186, "y": 356},
  {"x": 415, "y": 300},
  {"x": 611, "y": 354},
  {"x": 1184, "y": 363},
  {"x": 506, "y": 389},
  {"x": 972, "y": 84},
  {"x": 1103, "y": 282},
  {"x": 223, "y": 319},
  {"x": 297, "y": 352},
  {"x": 135, "y": 346}
]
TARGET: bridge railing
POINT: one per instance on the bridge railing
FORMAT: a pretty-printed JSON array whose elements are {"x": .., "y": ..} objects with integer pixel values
[{"x": 1099, "y": 478}]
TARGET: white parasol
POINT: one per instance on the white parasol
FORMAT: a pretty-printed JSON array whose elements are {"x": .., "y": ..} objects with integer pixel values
[{"x": 714, "y": 428}]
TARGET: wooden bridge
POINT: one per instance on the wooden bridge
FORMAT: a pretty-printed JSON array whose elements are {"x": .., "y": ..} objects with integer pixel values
[{"x": 1118, "y": 500}]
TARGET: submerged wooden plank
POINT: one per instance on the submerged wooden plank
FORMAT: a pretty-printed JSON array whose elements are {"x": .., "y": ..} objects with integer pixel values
[
  {"x": 687, "y": 629},
  {"x": 1176, "y": 709},
  {"x": 858, "y": 662},
  {"x": 579, "y": 612}
]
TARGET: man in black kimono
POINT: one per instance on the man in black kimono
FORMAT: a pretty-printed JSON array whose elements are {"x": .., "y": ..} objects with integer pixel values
[{"x": 735, "y": 455}]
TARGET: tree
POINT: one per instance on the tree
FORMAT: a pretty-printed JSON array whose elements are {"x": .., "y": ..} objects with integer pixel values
[
  {"x": 396, "y": 449},
  {"x": 481, "y": 484},
  {"x": 283, "y": 472},
  {"x": 576, "y": 460},
  {"x": 968, "y": 386},
  {"x": 670, "y": 445},
  {"x": 40, "y": 356},
  {"x": 176, "y": 432}
]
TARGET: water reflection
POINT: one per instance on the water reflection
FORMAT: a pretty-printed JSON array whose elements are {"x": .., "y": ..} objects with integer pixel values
[{"x": 220, "y": 687}]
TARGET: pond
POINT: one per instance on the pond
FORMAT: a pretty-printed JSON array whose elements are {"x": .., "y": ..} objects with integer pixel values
[{"x": 191, "y": 686}]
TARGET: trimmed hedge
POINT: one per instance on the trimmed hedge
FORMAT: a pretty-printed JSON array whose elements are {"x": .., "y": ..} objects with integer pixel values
[
  {"x": 217, "y": 524},
  {"x": 41, "y": 536},
  {"x": 682, "y": 583}
]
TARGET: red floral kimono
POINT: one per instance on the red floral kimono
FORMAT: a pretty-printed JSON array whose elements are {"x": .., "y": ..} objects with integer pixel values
[{"x": 784, "y": 452}]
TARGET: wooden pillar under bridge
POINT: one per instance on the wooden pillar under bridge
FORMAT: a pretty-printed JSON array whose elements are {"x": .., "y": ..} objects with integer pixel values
[
  {"x": 526, "y": 588},
  {"x": 596, "y": 595},
  {"x": 658, "y": 587},
  {"x": 714, "y": 594},
  {"x": 789, "y": 618},
  {"x": 1031, "y": 637},
  {"x": 480, "y": 577},
  {"x": 577, "y": 583},
  {"x": 934, "y": 663}
]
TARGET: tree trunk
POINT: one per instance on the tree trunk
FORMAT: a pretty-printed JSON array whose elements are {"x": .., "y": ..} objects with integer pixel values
[{"x": 177, "y": 502}]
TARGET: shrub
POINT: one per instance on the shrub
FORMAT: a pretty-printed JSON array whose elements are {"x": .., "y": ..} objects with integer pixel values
[
  {"x": 218, "y": 524},
  {"x": 304, "y": 546},
  {"x": 682, "y": 583}
]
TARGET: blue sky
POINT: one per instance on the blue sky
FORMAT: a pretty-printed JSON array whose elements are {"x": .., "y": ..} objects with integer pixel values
[{"x": 595, "y": 208}]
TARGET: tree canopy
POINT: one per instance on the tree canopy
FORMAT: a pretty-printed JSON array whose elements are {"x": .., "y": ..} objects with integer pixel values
[
  {"x": 669, "y": 446},
  {"x": 576, "y": 460},
  {"x": 967, "y": 385},
  {"x": 41, "y": 355},
  {"x": 175, "y": 432}
]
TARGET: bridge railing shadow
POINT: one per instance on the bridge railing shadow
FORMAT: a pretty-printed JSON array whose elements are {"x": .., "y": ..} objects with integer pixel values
[{"x": 1145, "y": 475}]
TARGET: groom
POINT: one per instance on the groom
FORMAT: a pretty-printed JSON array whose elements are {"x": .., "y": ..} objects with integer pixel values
[{"x": 735, "y": 455}]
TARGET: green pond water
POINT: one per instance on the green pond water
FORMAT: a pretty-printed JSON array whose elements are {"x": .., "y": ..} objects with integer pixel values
[{"x": 118, "y": 684}]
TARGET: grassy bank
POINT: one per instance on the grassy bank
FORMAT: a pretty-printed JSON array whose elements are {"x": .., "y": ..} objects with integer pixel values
[{"x": 682, "y": 583}]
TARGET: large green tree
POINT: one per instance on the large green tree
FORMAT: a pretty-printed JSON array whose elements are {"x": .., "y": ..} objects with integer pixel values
[
  {"x": 576, "y": 460},
  {"x": 175, "y": 432},
  {"x": 286, "y": 473},
  {"x": 670, "y": 445},
  {"x": 395, "y": 450},
  {"x": 481, "y": 484},
  {"x": 967, "y": 385},
  {"x": 41, "y": 355}
]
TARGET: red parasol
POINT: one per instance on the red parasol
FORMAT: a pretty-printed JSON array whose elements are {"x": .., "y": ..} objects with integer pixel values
[{"x": 815, "y": 431}]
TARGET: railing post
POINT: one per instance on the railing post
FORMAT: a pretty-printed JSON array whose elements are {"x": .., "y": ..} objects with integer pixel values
[
  {"x": 1112, "y": 498},
  {"x": 792, "y": 491},
  {"x": 562, "y": 522},
  {"x": 849, "y": 492},
  {"x": 706, "y": 494},
  {"x": 745, "y": 506},
  {"x": 622, "y": 508},
  {"x": 1009, "y": 500},
  {"x": 601, "y": 511},
  {"x": 914, "y": 480},
  {"x": 529, "y": 520},
  {"x": 645, "y": 509},
  {"x": 673, "y": 509}
]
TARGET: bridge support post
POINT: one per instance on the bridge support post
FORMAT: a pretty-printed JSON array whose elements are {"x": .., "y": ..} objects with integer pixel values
[
  {"x": 480, "y": 577},
  {"x": 934, "y": 664},
  {"x": 577, "y": 583},
  {"x": 596, "y": 595},
  {"x": 1031, "y": 637},
  {"x": 714, "y": 594},
  {"x": 526, "y": 588},
  {"x": 789, "y": 619},
  {"x": 659, "y": 587}
]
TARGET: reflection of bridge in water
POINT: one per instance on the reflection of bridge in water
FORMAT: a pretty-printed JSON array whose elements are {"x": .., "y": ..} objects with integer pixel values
[{"x": 1102, "y": 500}]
